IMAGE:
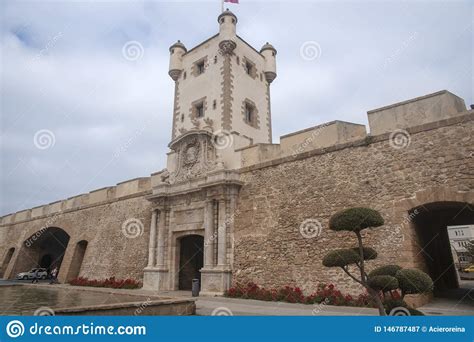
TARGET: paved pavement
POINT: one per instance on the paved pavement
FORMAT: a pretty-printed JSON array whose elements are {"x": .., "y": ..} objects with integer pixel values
[
  {"x": 447, "y": 307},
  {"x": 248, "y": 307},
  {"x": 453, "y": 302},
  {"x": 467, "y": 276},
  {"x": 4, "y": 282},
  {"x": 461, "y": 303}
]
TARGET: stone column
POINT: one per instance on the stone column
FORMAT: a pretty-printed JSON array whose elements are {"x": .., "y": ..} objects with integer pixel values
[
  {"x": 222, "y": 234},
  {"x": 230, "y": 227},
  {"x": 209, "y": 234},
  {"x": 160, "y": 258},
  {"x": 152, "y": 243}
]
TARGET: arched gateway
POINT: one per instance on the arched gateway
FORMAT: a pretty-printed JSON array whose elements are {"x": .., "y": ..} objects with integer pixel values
[
  {"x": 428, "y": 215},
  {"x": 45, "y": 248}
]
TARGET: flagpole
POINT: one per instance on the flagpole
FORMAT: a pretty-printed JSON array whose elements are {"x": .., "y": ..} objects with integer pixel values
[{"x": 222, "y": 6}]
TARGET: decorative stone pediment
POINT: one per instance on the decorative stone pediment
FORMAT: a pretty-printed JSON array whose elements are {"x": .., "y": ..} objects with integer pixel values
[{"x": 196, "y": 156}]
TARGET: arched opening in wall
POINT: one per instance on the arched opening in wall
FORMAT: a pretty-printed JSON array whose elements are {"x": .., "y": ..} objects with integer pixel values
[
  {"x": 78, "y": 257},
  {"x": 45, "y": 249},
  {"x": 437, "y": 247},
  {"x": 191, "y": 260},
  {"x": 6, "y": 261}
]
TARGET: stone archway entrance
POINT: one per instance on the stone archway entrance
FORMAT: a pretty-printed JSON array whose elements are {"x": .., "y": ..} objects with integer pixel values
[
  {"x": 430, "y": 222},
  {"x": 77, "y": 258},
  {"x": 45, "y": 248},
  {"x": 423, "y": 220},
  {"x": 191, "y": 260}
]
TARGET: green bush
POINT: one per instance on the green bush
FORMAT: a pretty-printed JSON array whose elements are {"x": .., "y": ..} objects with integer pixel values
[
  {"x": 355, "y": 219},
  {"x": 415, "y": 312},
  {"x": 390, "y": 270},
  {"x": 383, "y": 283},
  {"x": 341, "y": 258},
  {"x": 368, "y": 252},
  {"x": 412, "y": 281},
  {"x": 391, "y": 304}
]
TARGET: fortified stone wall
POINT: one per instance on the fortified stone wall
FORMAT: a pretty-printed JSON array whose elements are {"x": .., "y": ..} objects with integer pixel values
[
  {"x": 115, "y": 226},
  {"x": 323, "y": 170},
  {"x": 279, "y": 195}
]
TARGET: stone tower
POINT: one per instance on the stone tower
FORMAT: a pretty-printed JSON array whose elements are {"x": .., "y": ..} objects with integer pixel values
[
  {"x": 221, "y": 105},
  {"x": 223, "y": 86}
]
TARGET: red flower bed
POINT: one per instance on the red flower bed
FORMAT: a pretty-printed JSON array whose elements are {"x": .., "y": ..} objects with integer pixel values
[
  {"x": 325, "y": 293},
  {"x": 108, "y": 282}
]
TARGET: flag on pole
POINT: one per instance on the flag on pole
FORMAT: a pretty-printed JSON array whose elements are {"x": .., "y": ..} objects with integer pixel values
[{"x": 231, "y": 1}]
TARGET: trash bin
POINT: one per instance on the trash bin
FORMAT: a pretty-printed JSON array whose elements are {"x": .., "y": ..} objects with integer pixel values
[{"x": 195, "y": 288}]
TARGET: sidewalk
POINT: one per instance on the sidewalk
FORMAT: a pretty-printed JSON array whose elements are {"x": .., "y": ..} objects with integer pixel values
[
  {"x": 448, "y": 307},
  {"x": 248, "y": 307}
]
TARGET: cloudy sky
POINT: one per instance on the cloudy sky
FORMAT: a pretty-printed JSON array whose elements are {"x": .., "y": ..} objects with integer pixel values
[{"x": 78, "y": 114}]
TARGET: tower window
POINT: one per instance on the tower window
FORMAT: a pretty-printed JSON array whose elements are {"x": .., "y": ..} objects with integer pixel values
[
  {"x": 200, "y": 68},
  {"x": 238, "y": 60},
  {"x": 250, "y": 113},
  {"x": 200, "y": 110},
  {"x": 249, "y": 68},
  {"x": 214, "y": 104},
  {"x": 184, "y": 75},
  {"x": 215, "y": 59}
]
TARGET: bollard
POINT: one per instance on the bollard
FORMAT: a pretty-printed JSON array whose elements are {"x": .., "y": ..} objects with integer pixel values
[{"x": 195, "y": 288}]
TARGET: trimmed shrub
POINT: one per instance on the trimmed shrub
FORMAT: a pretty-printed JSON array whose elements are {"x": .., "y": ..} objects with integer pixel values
[
  {"x": 412, "y": 281},
  {"x": 340, "y": 258},
  {"x": 368, "y": 252},
  {"x": 389, "y": 270},
  {"x": 355, "y": 219},
  {"x": 383, "y": 283}
]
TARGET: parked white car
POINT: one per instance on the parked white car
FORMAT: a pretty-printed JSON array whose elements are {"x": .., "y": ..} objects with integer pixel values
[{"x": 42, "y": 274}]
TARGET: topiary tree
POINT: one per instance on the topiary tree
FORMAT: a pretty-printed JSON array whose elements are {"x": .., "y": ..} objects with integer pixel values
[
  {"x": 384, "y": 274},
  {"x": 390, "y": 270},
  {"x": 355, "y": 220},
  {"x": 409, "y": 281},
  {"x": 382, "y": 279},
  {"x": 384, "y": 283},
  {"x": 413, "y": 281}
]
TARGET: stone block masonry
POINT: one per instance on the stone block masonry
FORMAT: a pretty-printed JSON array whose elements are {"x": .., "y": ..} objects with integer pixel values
[{"x": 278, "y": 196}]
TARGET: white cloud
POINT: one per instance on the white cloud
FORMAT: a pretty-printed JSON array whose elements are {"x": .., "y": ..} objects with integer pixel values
[{"x": 63, "y": 70}]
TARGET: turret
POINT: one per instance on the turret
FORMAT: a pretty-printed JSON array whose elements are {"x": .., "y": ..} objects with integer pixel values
[
  {"x": 177, "y": 50},
  {"x": 269, "y": 52},
  {"x": 227, "y": 31}
]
